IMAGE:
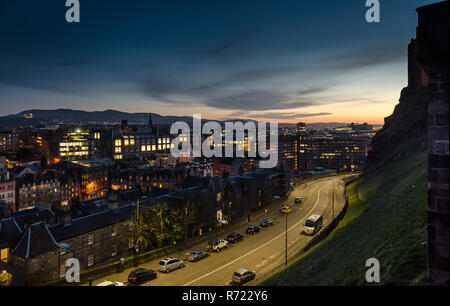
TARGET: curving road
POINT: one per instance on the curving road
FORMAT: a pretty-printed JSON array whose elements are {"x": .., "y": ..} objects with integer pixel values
[{"x": 262, "y": 252}]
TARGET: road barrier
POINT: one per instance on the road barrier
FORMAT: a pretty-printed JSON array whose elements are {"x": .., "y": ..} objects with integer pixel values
[{"x": 322, "y": 234}]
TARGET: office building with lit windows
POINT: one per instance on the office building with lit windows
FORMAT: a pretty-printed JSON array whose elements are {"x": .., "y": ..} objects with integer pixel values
[
  {"x": 9, "y": 140},
  {"x": 75, "y": 145},
  {"x": 338, "y": 152},
  {"x": 292, "y": 151}
]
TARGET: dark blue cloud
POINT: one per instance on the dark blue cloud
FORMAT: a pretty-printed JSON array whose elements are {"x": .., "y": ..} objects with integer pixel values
[{"x": 231, "y": 55}]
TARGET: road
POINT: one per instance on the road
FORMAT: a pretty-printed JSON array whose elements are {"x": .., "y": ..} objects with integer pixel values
[{"x": 261, "y": 252}]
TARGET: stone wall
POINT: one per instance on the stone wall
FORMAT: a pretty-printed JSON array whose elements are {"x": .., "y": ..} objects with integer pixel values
[
  {"x": 438, "y": 191},
  {"x": 432, "y": 35}
]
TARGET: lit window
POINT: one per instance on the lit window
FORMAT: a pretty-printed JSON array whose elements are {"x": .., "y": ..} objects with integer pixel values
[
  {"x": 90, "y": 260},
  {"x": 90, "y": 238},
  {"x": 4, "y": 255}
]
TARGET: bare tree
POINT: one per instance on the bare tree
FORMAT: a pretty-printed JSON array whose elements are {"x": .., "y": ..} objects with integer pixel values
[
  {"x": 139, "y": 229},
  {"x": 163, "y": 222}
]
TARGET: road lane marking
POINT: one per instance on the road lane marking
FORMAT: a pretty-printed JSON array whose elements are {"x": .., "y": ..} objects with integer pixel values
[{"x": 268, "y": 242}]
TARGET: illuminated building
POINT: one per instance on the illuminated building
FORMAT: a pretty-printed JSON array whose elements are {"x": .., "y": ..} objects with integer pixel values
[
  {"x": 87, "y": 179},
  {"x": 9, "y": 140},
  {"x": 33, "y": 189},
  {"x": 100, "y": 142},
  {"x": 7, "y": 188},
  {"x": 342, "y": 153},
  {"x": 129, "y": 142},
  {"x": 292, "y": 151},
  {"x": 75, "y": 145}
]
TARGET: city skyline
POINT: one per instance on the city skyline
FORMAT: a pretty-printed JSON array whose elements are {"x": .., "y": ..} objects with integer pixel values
[
  {"x": 195, "y": 144},
  {"x": 288, "y": 62}
]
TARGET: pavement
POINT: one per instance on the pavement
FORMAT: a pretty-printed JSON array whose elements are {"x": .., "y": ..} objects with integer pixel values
[{"x": 262, "y": 252}]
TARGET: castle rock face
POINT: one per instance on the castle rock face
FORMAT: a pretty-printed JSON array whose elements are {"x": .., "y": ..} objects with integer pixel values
[{"x": 423, "y": 113}]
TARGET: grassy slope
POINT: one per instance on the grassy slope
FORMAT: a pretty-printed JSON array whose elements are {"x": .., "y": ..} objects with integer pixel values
[{"x": 386, "y": 219}]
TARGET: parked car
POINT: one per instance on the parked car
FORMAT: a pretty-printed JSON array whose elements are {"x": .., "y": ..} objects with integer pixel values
[
  {"x": 141, "y": 275},
  {"x": 266, "y": 223},
  {"x": 242, "y": 276},
  {"x": 234, "y": 237},
  {"x": 253, "y": 229},
  {"x": 217, "y": 244},
  {"x": 110, "y": 284},
  {"x": 196, "y": 255},
  {"x": 170, "y": 264},
  {"x": 298, "y": 200},
  {"x": 285, "y": 208}
]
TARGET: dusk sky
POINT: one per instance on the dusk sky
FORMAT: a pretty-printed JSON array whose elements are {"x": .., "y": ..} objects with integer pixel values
[{"x": 285, "y": 61}]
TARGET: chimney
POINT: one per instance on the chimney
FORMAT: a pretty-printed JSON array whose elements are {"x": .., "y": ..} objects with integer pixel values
[
  {"x": 124, "y": 125},
  {"x": 67, "y": 219},
  {"x": 113, "y": 206}
]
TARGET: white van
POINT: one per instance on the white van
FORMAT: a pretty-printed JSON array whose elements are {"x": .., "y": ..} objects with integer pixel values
[{"x": 313, "y": 224}]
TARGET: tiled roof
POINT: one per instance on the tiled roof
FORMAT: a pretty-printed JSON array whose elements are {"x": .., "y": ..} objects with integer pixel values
[
  {"x": 29, "y": 216},
  {"x": 10, "y": 232},
  {"x": 86, "y": 224},
  {"x": 37, "y": 240}
]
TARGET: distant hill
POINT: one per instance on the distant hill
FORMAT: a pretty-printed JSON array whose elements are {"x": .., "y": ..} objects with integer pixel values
[
  {"x": 332, "y": 125},
  {"x": 70, "y": 115}
]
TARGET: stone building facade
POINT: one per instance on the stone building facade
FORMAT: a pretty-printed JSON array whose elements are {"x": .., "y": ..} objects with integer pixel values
[
  {"x": 95, "y": 240},
  {"x": 432, "y": 36}
]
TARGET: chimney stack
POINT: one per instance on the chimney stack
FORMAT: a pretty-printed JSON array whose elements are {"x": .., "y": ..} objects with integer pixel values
[{"x": 124, "y": 125}]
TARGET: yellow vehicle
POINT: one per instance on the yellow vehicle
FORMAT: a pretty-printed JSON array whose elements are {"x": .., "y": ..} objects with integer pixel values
[{"x": 285, "y": 209}]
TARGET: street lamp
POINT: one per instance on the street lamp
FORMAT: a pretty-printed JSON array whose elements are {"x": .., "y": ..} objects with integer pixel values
[
  {"x": 334, "y": 188},
  {"x": 286, "y": 240},
  {"x": 333, "y": 198},
  {"x": 136, "y": 251}
]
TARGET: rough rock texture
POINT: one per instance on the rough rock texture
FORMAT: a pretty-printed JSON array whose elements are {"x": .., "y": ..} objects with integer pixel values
[
  {"x": 423, "y": 110},
  {"x": 409, "y": 120}
]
